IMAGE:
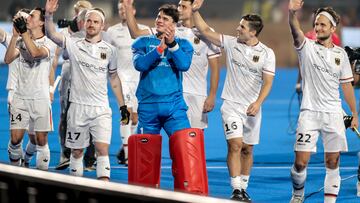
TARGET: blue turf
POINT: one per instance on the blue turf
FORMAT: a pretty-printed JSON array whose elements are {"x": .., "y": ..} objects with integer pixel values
[{"x": 273, "y": 157}]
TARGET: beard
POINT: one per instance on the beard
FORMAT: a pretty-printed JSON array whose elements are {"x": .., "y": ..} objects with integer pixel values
[{"x": 323, "y": 38}]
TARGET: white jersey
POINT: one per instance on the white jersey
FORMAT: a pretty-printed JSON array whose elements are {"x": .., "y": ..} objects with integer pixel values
[
  {"x": 322, "y": 70},
  {"x": 194, "y": 80},
  {"x": 33, "y": 74},
  {"x": 120, "y": 38},
  {"x": 13, "y": 66},
  {"x": 90, "y": 65},
  {"x": 245, "y": 68}
]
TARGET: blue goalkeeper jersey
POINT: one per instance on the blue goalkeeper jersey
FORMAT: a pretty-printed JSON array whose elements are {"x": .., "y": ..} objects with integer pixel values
[{"x": 160, "y": 74}]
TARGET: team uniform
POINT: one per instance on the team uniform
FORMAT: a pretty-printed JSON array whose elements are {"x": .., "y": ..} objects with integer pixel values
[
  {"x": 195, "y": 79},
  {"x": 89, "y": 111},
  {"x": 31, "y": 102},
  {"x": 243, "y": 82},
  {"x": 161, "y": 103},
  {"x": 322, "y": 70}
]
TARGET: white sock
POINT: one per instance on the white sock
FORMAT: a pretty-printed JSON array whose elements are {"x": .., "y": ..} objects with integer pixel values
[
  {"x": 29, "y": 152},
  {"x": 126, "y": 131},
  {"x": 15, "y": 153},
  {"x": 244, "y": 181},
  {"x": 134, "y": 128},
  {"x": 298, "y": 181},
  {"x": 42, "y": 157},
  {"x": 235, "y": 182},
  {"x": 103, "y": 167},
  {"x": 76, "y": 166},
  {"x": 331, "y": 184}
]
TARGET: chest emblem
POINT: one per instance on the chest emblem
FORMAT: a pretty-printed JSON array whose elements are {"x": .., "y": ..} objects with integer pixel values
[
  {"x": 337, "y": 61},
  {"x": 196, "y": 40},
  {"x": 103, "y": 56},
  {"x": 256, "y": 58}
]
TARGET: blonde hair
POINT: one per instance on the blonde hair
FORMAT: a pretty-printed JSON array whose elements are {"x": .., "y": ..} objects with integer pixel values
[{"x": 80, "y": 5}]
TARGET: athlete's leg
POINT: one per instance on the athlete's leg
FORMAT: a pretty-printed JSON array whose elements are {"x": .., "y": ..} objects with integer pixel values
[
  {"x": 332, "y": 177},
  {"x": 43, "y": 151},
  {"x": 298, "y": 175},
  {"x": 15, "y": 146}
]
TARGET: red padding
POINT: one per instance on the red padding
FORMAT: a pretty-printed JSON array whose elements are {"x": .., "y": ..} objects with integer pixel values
[
  {"x": 188, "y": 161},
  {"x": 144, "y": 160}
]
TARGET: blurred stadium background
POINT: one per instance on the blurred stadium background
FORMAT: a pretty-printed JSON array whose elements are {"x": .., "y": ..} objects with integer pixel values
[{"x": 271, "y": 169}]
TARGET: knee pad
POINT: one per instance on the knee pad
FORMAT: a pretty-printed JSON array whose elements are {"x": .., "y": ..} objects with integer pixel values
[
  {"x": 188, "y": 161},
  {"x": 15, "y": 153},
  {"x": 42, "y": 157},
  {"x": 103, "y": 167},
  {"x": 144, "y": 159},
  {"x": 76, "y": 166}
]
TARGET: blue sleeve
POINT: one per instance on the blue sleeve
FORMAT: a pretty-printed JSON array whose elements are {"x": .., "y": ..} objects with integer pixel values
[
  {"x": 142, "y": 60},
  {"x": 183, "y": 55}
]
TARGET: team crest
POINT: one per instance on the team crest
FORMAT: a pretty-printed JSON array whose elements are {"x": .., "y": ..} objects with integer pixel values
[
  {"x": 256, "y": 58},
  {"x": 337, "y": 61},
  {"x": 103, "y": 56},
  {"x": 196, "y": 40}
]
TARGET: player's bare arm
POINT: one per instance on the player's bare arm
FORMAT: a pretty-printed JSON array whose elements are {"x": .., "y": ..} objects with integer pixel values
[
  {"x": 254, "y": 108},
  {"x": 349, "y": 97},
  {"x": 297, "y": 33},
  {"x": 12, "y": 52},
  {"x": 35, "y": 51},
  {"x": 134, "y": 29},
  {"x": 50, "y": 8},
  {"x": 117, "y": 89},
  {"x": 214, "y": 82},
  {"x": 204, "y": 28}
]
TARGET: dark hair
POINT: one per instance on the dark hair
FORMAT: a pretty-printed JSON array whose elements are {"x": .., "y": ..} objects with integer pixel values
[
  {"x": 133, "y": 3},
  {"x": 329, "y": 10},
  {"x": 25, "y": 10},
  {"x": 191, "y": 1},
  {"x": 170, "y": 10},
  {"x": 255, "y": 22},
  {"x": 42, "y": 16}
]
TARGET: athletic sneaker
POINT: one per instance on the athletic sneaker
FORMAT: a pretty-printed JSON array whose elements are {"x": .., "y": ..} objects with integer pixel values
[
  {"x": 245, "y": 195},
  {"x": 121, "y": 157},
  {"x": 90, "y": 166},
  {"x": 236, "y": 195},
  {"x": 297, "y": 199},
  {"x": 63, "y": 163},
  {"x": 358, "y": 188}
]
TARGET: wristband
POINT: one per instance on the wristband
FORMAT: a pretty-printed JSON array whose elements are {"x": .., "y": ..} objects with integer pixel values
[{"x": 172, "y": 44}]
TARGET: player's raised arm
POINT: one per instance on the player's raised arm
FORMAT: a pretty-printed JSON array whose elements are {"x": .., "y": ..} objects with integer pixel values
[
  {"x": 204, "y": 28},
  {"x": 50, "y": 8},
  {"x": 134, "y": 29},
  {"x": 297, "y": 33}
]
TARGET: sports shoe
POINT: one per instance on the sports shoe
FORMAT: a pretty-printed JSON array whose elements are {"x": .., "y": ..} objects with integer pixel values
[
  {"x": 358, "y": 188},
  {"x": 297, "y": 199},
  {"x": 90, "y": 166},
  {"x": 121, "y": 156},
  {"x": 236, "y": 195},
  {"x": 63, "y": 163},
  {"x": 245, "y": 195}
]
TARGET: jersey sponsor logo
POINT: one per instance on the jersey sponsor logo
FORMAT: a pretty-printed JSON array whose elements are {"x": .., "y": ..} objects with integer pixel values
[
  {"x": 325, "y": 70},
  {"x": 337, "y": 61},
  {"x": 256, "y": 58},
  {"x": 241, "y": 65},
  {"x": 197, "y": 53},
  {"x": 92, "y": 66}
]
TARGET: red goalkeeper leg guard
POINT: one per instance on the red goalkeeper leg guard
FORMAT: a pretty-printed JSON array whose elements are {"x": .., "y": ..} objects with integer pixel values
[
  {"x": 188, "y": 161},
  {"x": 144, "y": 160}
]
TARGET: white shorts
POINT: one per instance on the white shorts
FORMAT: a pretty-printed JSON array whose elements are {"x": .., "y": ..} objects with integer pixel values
[
  {"x": 330, "y": 125},
  {"x": 32, "y": 115},
  {"x": 237, "y": 124},
  {"x": 83, "y": 121},
  {"x": 196, "y": 116},
  {"x": 129, "y": 90}
]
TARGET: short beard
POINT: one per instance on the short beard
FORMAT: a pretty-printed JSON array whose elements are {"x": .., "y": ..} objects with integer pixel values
[{"x": 323, "y": 38}]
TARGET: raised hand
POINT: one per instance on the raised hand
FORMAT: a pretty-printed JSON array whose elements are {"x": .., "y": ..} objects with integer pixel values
[
  {"x": 197, "y": 5},
  {"x": 169, "y": 35},
  {"x": 51, "y": 6},
  {"x": 295, "y": 5}
]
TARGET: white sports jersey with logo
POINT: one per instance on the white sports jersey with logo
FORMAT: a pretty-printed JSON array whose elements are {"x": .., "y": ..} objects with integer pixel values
[
  {"x": 33, "y": 74},
  {"x": 194, "y": 80},
  {"x": 120, "y": 38},
  {"x": 90, "y": 65},
  {"x": 322, "y": 70},
  {"x": 245, "y": 67}
]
